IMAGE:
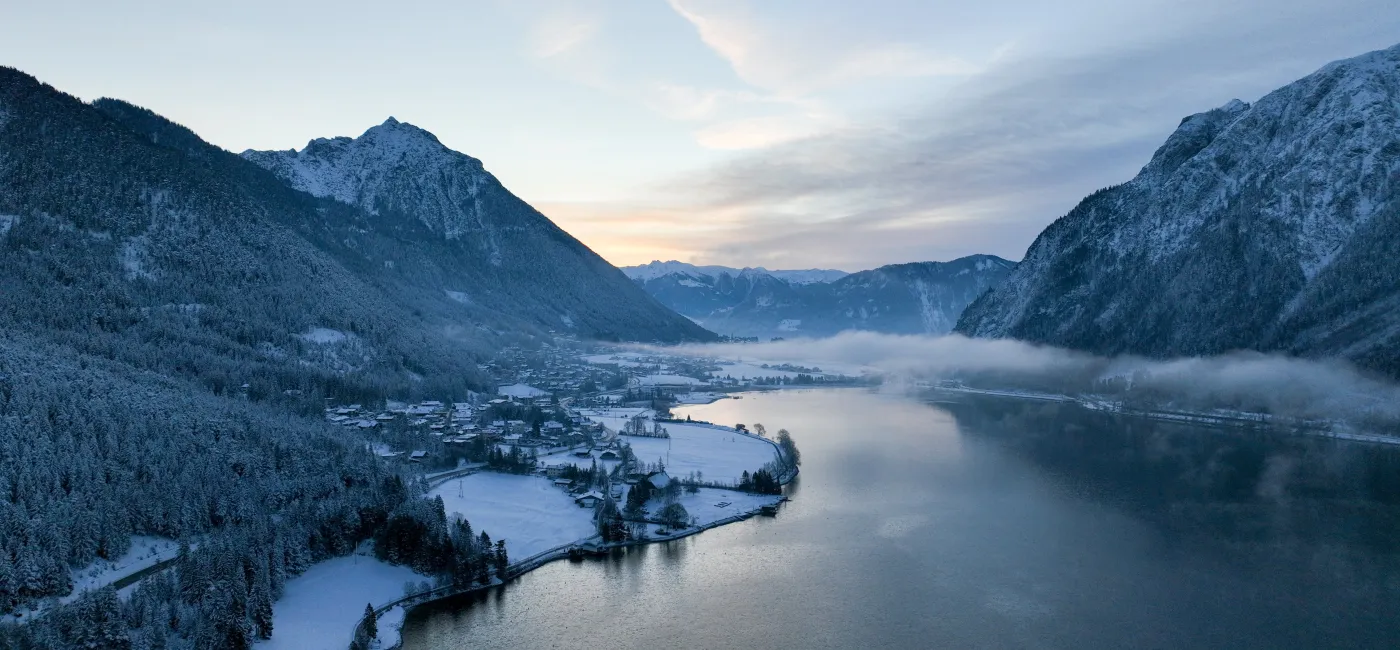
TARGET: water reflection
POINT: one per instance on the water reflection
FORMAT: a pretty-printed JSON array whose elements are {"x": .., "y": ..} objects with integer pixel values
[{"x": 991, "y": 524}]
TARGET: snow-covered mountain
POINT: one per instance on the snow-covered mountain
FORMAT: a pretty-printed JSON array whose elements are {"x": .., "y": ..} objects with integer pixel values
[
  {"x": 918, "y": 298},
  {"x": 1274, "y": 226},
  {"x": 657, "y": 269},
  {"x": 470, "y": 238}
]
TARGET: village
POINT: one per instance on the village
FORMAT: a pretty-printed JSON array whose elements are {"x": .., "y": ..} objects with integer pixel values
[
  {"x": 576, "y": 452},
  {"x": 557, "y": 399}
]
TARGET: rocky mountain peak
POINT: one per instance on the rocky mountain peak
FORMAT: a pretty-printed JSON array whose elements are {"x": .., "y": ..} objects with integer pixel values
[{"x": 392, "y": 168}]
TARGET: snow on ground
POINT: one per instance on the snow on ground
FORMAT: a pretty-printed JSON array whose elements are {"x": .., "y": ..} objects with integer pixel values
[
  {"x": 145, "y": 552},
  {"x": 320, "y": 608},
  {"x": 668, "y": 380},
  {"x": 719, "y": 454},
  {"x": 389, "y": 624},
  {"x": 527, "y": 511},
  {"x": 706, "y": 506},
  {"x": 743, "y": 370},
  {"x": 699, "y": 398},
  {"x": 323, "y": 335},
  {"x": 615, "y": 418},
  {"x": 612, "y": 359},
  {"x": 521, "y": 390}
]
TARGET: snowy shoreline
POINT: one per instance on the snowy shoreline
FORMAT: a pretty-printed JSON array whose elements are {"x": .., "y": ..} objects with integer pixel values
[
  {"x": 543, "y": 523},
  {"x": 753, "y": 505},
  {"x": 561, "y": 553}
]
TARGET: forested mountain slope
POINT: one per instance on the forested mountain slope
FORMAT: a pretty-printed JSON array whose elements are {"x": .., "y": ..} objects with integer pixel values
[
  {"x": 917, "y": 298},
  {"x": 184, "y": 264},
  {"x": 95, "y": 451},
  {"x": 126, "y": 236},
  {"x": 1272, "y": 227}
]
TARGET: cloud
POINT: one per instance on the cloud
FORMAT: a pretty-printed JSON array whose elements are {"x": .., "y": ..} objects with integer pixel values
[
  {"x": 1301, "y": 388},
  {"x": 688, "y": 103},
  {"x": 765, "y": 131},
  {"x": 852, "y": 142},
  {"x": 982, "y": 166},
  {"x": 560, "y": 32},
  {"x": 772, "y": 52}
]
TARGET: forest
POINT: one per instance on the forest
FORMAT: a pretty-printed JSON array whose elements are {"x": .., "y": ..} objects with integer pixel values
[{"x": 94, "y": 452}]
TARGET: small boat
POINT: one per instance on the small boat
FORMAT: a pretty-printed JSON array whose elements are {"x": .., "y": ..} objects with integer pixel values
[{"x": 769, "y": 510}]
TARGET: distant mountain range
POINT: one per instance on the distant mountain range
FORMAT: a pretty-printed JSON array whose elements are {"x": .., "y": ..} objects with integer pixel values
[
  {"x": 1271, "y": 227},
  {"x": 358, "y": 266},
  {"x": 656, "y": 269},
  {"x": 918, "y": 298}
]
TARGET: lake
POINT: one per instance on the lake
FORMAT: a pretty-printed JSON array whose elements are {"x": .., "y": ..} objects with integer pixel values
[{"x": 991, "y": 523}]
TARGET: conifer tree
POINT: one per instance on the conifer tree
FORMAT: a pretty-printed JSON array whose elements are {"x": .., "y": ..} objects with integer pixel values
[{"x": 371, "y": 622}]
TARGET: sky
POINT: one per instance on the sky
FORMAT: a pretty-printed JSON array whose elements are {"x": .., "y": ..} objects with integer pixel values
[{"x": 776, "y": 133}]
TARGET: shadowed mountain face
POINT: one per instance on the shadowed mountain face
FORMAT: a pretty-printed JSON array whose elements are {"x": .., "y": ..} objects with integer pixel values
[
  {"x": 125, "y": 235},
  {"x": 1271, "y": 227},
  {"x": 918, "y": 298}
]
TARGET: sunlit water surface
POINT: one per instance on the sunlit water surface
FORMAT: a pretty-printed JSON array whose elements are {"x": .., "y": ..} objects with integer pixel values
[{"x": 918, "y": 525}]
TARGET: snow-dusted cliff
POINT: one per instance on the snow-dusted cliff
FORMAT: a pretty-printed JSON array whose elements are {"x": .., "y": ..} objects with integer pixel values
[{"x": 1271, "y": 226}]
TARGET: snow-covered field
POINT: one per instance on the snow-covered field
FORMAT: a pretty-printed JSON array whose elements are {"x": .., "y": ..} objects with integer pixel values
[
  {"x": 745, "y": 370},
  {"x": 720, "y": 455},
  {"x": 705, "y": 505},
  {"x": 615, "y": 418},
  {"x": 668, "y": 380},
  {"x": 520, "y": 390},
  {"x": 319, "y": 608},
  {"x": 527, "y": 511}
]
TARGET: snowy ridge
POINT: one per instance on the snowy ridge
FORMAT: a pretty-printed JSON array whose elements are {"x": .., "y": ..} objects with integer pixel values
[
  {"x": 372, "y": 170},
  {"x": 1240, "y": 232},
  {"x": 657, "y": 269}
]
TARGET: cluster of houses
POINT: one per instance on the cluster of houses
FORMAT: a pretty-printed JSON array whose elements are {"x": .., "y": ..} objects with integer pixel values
[
  {"x": 586, "y": 496},
  {"x": 462, "y": 423},
  {"x": 554, "y": 367},
  {"x": 456, "y": 420}
]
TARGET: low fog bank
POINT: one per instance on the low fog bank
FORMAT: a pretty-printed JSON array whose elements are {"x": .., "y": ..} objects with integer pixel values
[{"x": 1245, "y": 381}]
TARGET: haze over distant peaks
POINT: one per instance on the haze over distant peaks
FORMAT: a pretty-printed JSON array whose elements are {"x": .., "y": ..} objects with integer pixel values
[{"x": 917, "y": 298}]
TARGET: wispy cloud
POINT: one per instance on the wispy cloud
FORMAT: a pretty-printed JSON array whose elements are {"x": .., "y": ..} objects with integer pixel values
[
  {"x": 775, "y": 56},
  {"x": 561, "y": 31},
  {"x": 982, "y": 166}
]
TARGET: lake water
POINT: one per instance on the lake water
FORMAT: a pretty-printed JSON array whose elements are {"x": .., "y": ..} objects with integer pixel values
[{"x": 995, "y": 524}]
